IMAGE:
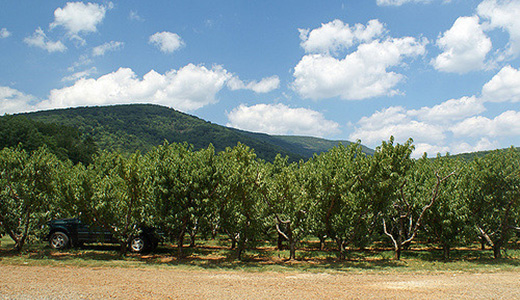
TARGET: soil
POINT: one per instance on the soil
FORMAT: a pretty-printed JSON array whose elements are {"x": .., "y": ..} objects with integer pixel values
[{"x": 36, "y": 282}]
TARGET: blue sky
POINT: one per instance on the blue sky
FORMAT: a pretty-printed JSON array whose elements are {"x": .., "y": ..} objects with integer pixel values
[{"x": 445, "y": 73}]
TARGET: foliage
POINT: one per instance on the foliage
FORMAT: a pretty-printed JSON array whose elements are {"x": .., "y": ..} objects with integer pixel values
[
  {"x": 341, "y": 195},
  {"x": 153, "y": 124},
  {"x": 447, "y": 222},
  {"x": 120, "y": 193},
  {"x": 340, "y": 210},
  {"x": 241, "y": 211},
  {"x": 492, "y": 192},
  {"x": 64, "y": 141},
  {"x": 27, "y": 190},
  {"x": 182, "y": 183},
  {"x": 283, "y": 193}
]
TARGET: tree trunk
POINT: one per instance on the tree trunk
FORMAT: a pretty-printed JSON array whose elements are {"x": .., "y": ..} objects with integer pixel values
[
  {"x": 341, "y": 248},
  {"x": 496, "y": 250},
  {"x": 446, "y": 251},
  {"x": 292, "y": 250},
  {"x": 400, "y": 238},
  {"x": 279, "y": 244},
  {"x": 193, "y": 233},
  {"x": 398, "y": 252},
  {"x": 192, "y": 240},
  {"x": 322, "y": 242},
  {"x": 123, "y": 248},
  {"x": 240, "y": 248},
  {"x": 180, "y": 238},
  {"x": 19, "y": 245}
]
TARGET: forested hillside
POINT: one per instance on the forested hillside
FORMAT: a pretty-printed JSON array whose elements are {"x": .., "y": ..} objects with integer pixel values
[
  {"x": 66, "y": 142},
  {"x": 127, "y": 128}
]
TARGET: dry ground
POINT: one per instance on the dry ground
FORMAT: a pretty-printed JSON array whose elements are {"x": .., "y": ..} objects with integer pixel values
[{"x": 36, "y": 282}]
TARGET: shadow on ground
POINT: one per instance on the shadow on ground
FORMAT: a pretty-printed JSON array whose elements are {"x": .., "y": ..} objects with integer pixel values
[{"x": 265, "y": 258}]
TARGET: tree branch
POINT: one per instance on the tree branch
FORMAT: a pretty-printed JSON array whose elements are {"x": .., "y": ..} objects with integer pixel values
[
  {"x": 484, "y": 235},
  {"x": 281, "y": 232},
  {"x": 435, "y": 193},
  {"x": 388, "y": 234}
]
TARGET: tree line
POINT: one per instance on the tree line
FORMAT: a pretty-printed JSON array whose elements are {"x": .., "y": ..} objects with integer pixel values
[{"x": 342, "y": 195}]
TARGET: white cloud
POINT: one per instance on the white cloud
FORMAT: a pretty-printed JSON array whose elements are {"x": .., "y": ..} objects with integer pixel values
[
  {"x": 394, "y": 121},
  {"x": 167, "y": 42},
  {"x": 503, "y": 14},
  {"x": 388, "y": 116},
  {"x": 186, "y": 89},
  {"x": 482, "y": 145},
  {"x": 79, "y": 18},
  {"x": 39, "y": 39},
  {"x": 336, "y": 35},
  {"x": 432, "y": 128},
  {"x": 79, "y": 75},
  {"x": 360, "y": 75},
  {"x": 110, "y": 46},
  {"x": 505, "y": 124},
  {"x": 265, "y": 85},
  {"x": 465, "y": 47},
  {"x": 503, "y": 87},
  {"x": 449, "y": 111},
  {"x": 281, "y": 119},
  {"x": 431, "y": 150},
  {"x": 134, "y": 16},
  {"x": 13, "y": 101},
  {"x": 4, "y": 33}
]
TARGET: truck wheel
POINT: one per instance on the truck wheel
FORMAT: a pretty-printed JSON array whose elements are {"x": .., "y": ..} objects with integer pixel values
[
  {"x": 59, "y": 240},
  {"x": 138, "y": 244}
]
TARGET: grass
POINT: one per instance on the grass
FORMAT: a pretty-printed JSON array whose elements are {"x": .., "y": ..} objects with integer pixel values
[{"x": 215, "y": 255}]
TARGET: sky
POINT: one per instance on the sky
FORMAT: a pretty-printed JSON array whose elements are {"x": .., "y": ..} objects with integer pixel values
[{"x": 443, "y": 72}]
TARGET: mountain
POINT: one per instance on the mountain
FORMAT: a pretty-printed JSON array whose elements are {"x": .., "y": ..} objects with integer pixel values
[
  {"x": 479, "y": 154},
  {"x": 127, "y": 128}
]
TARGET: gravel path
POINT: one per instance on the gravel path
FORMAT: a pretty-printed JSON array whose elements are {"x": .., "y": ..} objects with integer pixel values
[{"x": 33, "y": 282}]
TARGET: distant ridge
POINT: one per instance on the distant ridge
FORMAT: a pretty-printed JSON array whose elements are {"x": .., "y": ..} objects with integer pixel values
[{"x": 128, "y": 128}]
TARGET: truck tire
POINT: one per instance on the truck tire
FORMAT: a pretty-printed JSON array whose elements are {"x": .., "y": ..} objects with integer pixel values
[
  {"x": 138, "y": 244},
  {"x": 59, "y": 240}
]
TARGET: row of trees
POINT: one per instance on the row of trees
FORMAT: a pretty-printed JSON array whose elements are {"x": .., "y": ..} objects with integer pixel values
[{"x": 341, "y": 195}]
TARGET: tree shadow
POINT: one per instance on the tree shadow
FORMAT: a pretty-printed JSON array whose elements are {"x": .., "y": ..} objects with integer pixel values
[{"x": 217, "y": 257}]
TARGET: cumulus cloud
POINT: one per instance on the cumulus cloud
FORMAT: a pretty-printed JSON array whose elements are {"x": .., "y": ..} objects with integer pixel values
[
  {"x": 186, "y": 89},
  {"x": 395, "y": 121},
  {"x": 451, "y": 110},
  {"x": 360, "y": 75},
  {"x": 505, "y": 124},
  {"x": 13, "y": 101},
  {"x": 503, "y": 14},
  {"x": 79, "y": 18},
  {"x": 4, "y": 33},
  {"x": 265, "y": 85},
  {"x": 336, "y": 35},
  {"x": 167, "y": 42},
  {"x": 281, "y": 119},
  {"x": 464, "y": 46},
  {"x": 110, "y": 46},
  {"x": 503, "y": 87},
  {"x": 439, "y": 129},
  {"x": 431, "y": 127},
  {"x": 481, "y": 145},
  {"x": 78, "y": 75},
  {"x": 39, "y": 39},
  {"x": 431, "y": 150}
]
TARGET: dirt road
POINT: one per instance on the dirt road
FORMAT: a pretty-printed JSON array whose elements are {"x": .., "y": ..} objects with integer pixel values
[{"x": 34, "y": 282}]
